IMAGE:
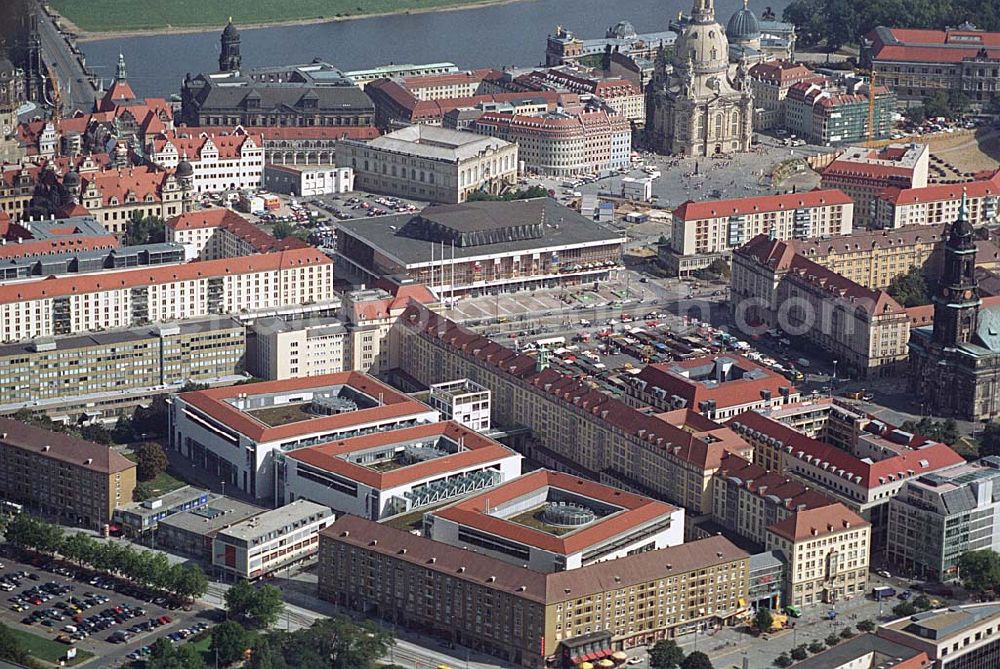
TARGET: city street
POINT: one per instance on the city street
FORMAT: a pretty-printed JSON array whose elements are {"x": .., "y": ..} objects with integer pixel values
[{"x": 76, "y": 91}]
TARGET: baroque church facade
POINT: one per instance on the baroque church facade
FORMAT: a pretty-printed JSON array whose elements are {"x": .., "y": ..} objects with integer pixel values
[
  {"x": 694, "y": 106},
  {"x": 955, "y": 363}
]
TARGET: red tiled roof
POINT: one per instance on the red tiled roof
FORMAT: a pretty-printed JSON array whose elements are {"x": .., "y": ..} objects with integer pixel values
[
  {"x": 33, "y": 247},
  {"x": 668, "y": 376},
  {"x": 936, "y": 455},
  {"x": 818, "y": 522},
  {"x": 236, "y": 225},
  {"x": 939, "y": 192},
  {"x": 290, "y": 132},
  {"x": 674, "y": 441},
  {"x": 127, "y": 278},
  {"x": 783, "y": 72},
  {"x": 924, "y": 314},
  {"x": 478, "y": 512},
  {"x": 423, "y": 109},
  {"x": 229, "y": 146},
  {"x": 476, "y": 450},
  {"x": 140, "y": 182},
  {"x": 849, "y": 169},
  {"x": 119, "y": 92},
  {"x": 792, "y": 494},
  {"x": 393, "y": 405},
  {"x": 692, "y": 211}
]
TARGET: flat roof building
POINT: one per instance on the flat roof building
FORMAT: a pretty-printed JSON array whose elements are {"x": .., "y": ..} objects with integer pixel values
[
  {"x": 463, "y": 401},
  {"x": 138, "y": 518},
  {"x": 192, "y": 532},
  {"x": 483, "y": 246},
  {"x": 388, "y": 473},
  {"x": 550, "y": 521},
  {"x": 285, "y": 349},
  {"x": 959, "y": 637},
  {"x": 271, "y": 540},
  {"x": 232, "y": 433}
]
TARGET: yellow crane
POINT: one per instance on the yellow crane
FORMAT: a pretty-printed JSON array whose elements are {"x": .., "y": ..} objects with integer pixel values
[
  {"x": 871, "y": 106},
  {"x": 56, "y": 95}
]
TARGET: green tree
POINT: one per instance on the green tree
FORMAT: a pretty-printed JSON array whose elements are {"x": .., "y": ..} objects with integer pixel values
[
  {"x": 989, "y": 440},
  {"x": 665, "y": 655},
  {"x": 229, "y": 641},
  {"x": 910, "y": 289},
  {"x": 348, "y": 643},
  {"x": 832, "y": 640},
  {"x": 30, "y": 532},
  {"x": 78, "y": 548},
  {"x": 937, "y": 105},
  {"x": 696, "y": 660},
  {"x": 799, "y": 653},
  {"x": 11, "y": 648},
  {"x": 817, "y": 646},
  {"x": 783, "y": 661},
  {"x": 904, "y": 609},
  {"x": 841, "y": 23},
  {"x": 151, "y": 461},
  {"x": 265, "y": 655},
  {"x": 846, "y": 633},
  {"x": 142, "y": 492},
  {"x": 763, "y": 620},
  {"x": 152, "y": 419},
  {"x": 282, "y": 229},
  {"x": 922, "y": 602},
  {"x": 980, "y": 570},
  {"x": 145, "y": 230},
  {"x": 122, "y": 432},
  {"x": 255, "y": 607},
  {"x": 186, "y": 581},
  {"x": 915, "y": 114},
  {"x": 866, "y": 626}
]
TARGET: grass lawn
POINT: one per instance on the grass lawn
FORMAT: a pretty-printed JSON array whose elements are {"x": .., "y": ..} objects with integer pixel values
[
  {"x": 108, "y": 15},
  {"x": 45, "y": 649},
  {"x": 163, "y": 483}
]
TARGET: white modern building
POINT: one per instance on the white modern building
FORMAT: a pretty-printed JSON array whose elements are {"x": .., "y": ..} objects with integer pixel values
[
  {"x": 550, "y": 521},
  {"x": 380, "y": 475},
  {"x": 308, "y": 180},
  {"x": 463, "y": 401},
  {"x": 286, "y": 349},
  {"x": 232, "y": 433},
  {"x": 270, "y": 541}
]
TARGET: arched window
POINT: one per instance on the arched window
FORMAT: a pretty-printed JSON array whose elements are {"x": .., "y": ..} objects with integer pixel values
[
  {"x": 735, "y": 124},
  {"x": 719, "y": 121}
]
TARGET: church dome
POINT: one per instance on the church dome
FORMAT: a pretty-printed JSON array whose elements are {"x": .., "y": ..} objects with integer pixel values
[
  {"x": 230, "y": 30},
  {"x": 185, "y": 169},
  {"x": 71, "y": 180},
  {"x": 705, "y": 45},
  {"x": 743, "y": 25},
  {"x": 622, "y": 30}
]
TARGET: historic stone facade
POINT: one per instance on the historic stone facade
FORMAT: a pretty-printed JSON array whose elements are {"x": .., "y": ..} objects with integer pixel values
[
  {"x": 955, "y": 364},
  {"x": 698, "y": 109}
]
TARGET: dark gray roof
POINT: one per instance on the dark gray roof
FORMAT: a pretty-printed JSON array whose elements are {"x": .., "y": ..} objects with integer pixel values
[
  {"x": 396, "y": 236},
  {"x": 856, "y": 648},
  {"x": 224, "y": 93}
]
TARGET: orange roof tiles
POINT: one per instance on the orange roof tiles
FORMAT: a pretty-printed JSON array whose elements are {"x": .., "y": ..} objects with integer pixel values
[
  {"x": 63, "y": 447},
  {"x": 129, "y": 278},
  {"x": 393, "y": 405},
  {"x": 939, "y": 192},
  {"x": 761, "y": 482},
  {"x": 818, "y": 522},
  {"x": 477, "y": 512},
  {"x": 237, "y": 225},
  {"x": 692, "y": 211},
  {"x": 669, "y": 376},
  {"x": 476, "y": 450}
]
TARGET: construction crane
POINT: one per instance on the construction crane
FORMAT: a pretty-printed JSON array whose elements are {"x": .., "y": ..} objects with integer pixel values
[{"x": 871, "y": 106}]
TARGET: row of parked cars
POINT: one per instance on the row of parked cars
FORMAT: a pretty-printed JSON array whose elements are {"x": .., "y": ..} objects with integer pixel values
[{"x": 173, "y": 637}]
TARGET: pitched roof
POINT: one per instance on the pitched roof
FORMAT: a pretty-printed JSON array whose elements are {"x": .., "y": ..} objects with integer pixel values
[
  {"x": 939, "y": 192},
  {"x": 782, "y": 72},
  {"x": 119, "y": 93},
  {"x": 479, "y": 512},
  {"x": 140, "y": 182},
  {"x": 392, "y": 404},
  {"x": 674, "y": 378},
  {"x": 791, "y": 494},
  {"x": 63, "y": 447},
  {"x": 237, "y": 225},
  {"x": 921, "y": 460},
  {"x": 692, "y": 211},
  {"x": 501, "y": 576},
  {"x": 677, "y": 442},
  {"x": 129, "y": 278},
  {"x": 818, "y": 522},
  {"x": 228, "y": 146},
  {"x": 476, "y": 450}
]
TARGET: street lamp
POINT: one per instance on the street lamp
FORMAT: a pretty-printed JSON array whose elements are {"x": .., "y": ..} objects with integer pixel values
[{"x": 833, "y": 379}]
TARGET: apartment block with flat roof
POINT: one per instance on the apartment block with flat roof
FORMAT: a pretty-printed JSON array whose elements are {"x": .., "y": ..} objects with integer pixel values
[
  {"x": 463, "y": 401},
  {"x": 270, "y": 541},
  {"x": 958, "y": 637},
  {"x": 936, "y": 517},
  {"x": 59, "y": 476}
]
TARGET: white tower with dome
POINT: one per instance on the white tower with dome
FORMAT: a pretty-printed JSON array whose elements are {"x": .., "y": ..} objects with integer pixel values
[{"x": 697, "y": 109}]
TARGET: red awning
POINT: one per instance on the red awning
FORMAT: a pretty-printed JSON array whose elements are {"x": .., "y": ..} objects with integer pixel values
[
  {"x": 590, "y": 656},
  {"x": 604, "y": 652},
  {"x": 576, "y": 659}
]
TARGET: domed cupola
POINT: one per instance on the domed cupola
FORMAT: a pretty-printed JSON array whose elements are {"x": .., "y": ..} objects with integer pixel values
[{"x": 743, "y": 26}]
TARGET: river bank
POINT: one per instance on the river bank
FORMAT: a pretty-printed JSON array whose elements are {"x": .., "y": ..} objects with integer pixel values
[{"x": 213, "y": 26}]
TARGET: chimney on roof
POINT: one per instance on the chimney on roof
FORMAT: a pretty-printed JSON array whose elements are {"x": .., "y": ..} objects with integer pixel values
[{"x": 45, "y": 448}]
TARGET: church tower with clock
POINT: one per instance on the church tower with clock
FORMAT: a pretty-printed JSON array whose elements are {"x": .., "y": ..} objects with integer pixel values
[
  {"x": 956, "y": 303},
  {"x": 955, "y": 363}
]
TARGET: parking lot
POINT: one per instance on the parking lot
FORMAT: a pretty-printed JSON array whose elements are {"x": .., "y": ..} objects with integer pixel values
[{"x": 111, "y": 619}]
